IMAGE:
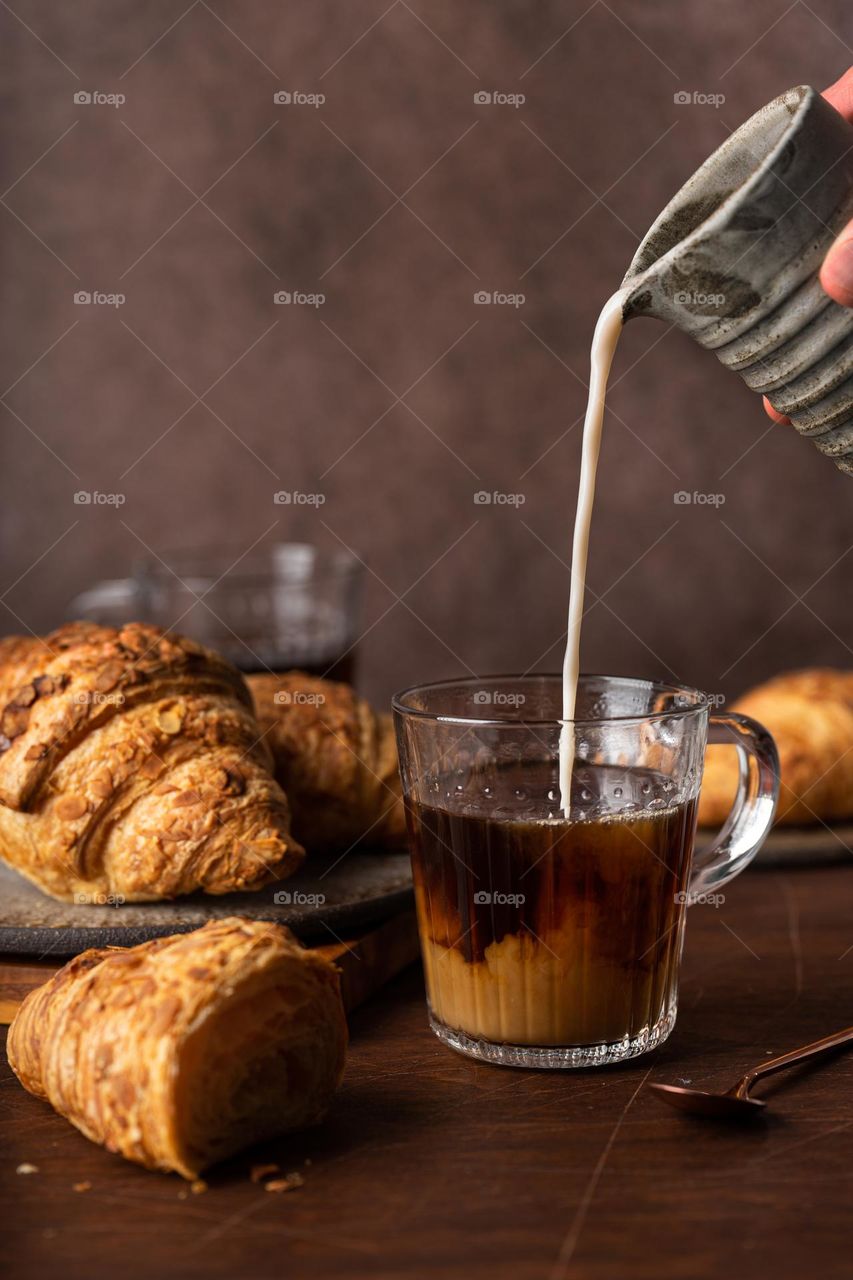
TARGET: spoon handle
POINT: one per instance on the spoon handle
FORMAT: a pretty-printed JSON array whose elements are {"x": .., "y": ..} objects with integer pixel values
[{"x": 799, "y": 1055}]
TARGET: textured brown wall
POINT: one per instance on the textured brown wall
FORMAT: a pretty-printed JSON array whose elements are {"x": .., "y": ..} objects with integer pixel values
[{"x": 548, "y": 199}]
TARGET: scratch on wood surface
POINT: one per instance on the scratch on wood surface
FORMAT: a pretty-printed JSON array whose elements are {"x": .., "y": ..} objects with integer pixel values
[
  {"x": 570, "y": 1243},
  {"x": 815, "y": 1137},
  {"x": 227, "y": 1224},
  {"x": 793, "y": 909}
]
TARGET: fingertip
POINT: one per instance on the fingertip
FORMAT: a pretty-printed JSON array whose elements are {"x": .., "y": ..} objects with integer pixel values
[
  {"x": 836, "y": 274},
  {"x": 840, "y": 94},
  {"x": 771, "y": 412}
]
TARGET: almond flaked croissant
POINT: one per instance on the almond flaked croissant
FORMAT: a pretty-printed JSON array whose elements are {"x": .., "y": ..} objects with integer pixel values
[
  {"x": 810, "y": 715},
  {"x": 131, "y": 766},
  {"x": 181, "y": 1051},
  {"x": 335, "y": 757}
]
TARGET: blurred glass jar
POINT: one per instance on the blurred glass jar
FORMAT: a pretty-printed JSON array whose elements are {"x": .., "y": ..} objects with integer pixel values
[{"x": 291, "y": 605}]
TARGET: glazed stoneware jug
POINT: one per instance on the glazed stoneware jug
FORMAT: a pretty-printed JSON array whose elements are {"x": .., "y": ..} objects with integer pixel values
[{"x": 734, "y": 258}]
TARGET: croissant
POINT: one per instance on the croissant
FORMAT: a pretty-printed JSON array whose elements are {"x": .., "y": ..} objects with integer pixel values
[
  {"x": 131, "y": 768},
  {"x": 335, "y": 757},
  {"x": 810, "y": 715},
  {"x": 181, "y": 1051}
]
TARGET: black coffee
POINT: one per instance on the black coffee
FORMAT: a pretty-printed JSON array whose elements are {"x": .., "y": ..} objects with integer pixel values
[{"x": 540, "y": 931}]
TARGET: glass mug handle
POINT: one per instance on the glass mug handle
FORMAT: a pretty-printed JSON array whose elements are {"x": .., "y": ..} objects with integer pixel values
[{"x": 751, "y": 817}]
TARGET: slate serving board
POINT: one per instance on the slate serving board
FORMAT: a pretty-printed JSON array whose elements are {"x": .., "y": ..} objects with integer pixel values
[
  {"x": 365, "y": 962},
  {"x": 323, "y": 901},
  {"x": 799, "y": 846}
]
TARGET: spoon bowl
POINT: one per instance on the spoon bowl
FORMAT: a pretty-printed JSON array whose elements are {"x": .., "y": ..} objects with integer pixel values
[{"x": 719, "y": 1106}]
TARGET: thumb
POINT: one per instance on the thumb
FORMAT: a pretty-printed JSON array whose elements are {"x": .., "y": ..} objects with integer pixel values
[{"x": 836, "y": 274}]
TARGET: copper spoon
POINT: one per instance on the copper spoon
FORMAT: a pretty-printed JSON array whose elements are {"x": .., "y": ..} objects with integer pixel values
[{"x": 736, "y": 1103}]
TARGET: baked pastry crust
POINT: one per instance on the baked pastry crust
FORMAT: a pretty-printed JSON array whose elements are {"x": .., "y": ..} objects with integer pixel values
[
  {"x": 132, "y": 767},
  {"x": 181, "y": 1051},
  {"x": 810, "y": 715},
  {"x": 335, "y": 757}
]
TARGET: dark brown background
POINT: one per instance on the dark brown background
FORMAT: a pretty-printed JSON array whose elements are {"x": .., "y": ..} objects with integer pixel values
[{"x": 103, "y": 198}]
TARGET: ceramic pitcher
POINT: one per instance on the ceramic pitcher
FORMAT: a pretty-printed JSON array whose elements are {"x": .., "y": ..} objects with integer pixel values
[{"x": 734, "y": 258}]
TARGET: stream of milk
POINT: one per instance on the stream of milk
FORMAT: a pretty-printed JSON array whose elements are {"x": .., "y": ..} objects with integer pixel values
[{"x": 604, "y": 341}]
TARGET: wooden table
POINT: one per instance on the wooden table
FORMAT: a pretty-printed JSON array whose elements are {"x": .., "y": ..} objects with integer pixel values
[{"x": 431, "y": 1164}]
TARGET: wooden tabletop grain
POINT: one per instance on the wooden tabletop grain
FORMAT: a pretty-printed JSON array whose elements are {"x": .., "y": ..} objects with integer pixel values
[{"x": 434, "y": 1165}]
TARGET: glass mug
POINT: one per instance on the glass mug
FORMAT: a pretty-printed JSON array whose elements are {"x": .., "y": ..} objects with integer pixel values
[{"x": 552, "y": 939}]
